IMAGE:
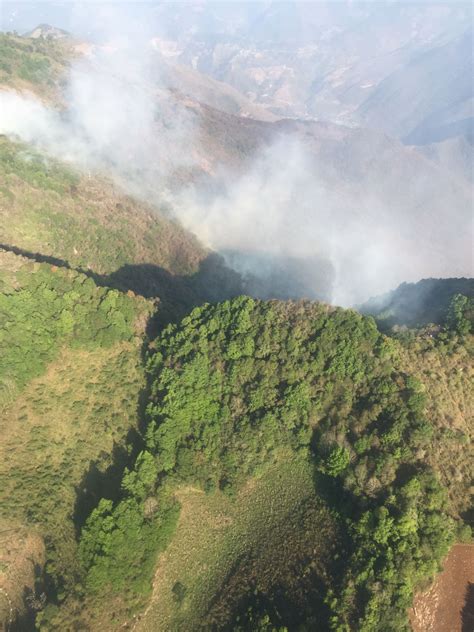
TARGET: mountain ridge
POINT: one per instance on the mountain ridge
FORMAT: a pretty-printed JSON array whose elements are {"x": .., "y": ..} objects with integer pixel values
[{"x": 178, "y": 454}]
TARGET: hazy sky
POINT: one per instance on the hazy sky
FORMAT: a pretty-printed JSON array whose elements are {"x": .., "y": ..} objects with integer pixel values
[
  {"x": 79, "y": 17},
  {"x": 76, "y": 17}
]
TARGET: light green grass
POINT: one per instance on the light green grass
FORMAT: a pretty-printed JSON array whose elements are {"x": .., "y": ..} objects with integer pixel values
[
  {"x": 223, "y": 544},
  {"x": 66, "y": 406},
  {"x": 35, "y": 64},
  {"x": 63, "y": 422}
]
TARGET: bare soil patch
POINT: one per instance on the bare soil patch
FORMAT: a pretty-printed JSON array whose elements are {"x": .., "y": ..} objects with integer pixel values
[{"x": 448, "y": 605}]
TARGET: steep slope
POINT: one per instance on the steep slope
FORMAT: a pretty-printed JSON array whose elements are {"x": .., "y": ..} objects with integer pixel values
[
  {"x": 455, "y": 155},
  {"x": 343, "y": 184},
  {"x": 66, "y": 346},
  {"x": 218, "y": 170},
  {"x": 39, "y": 62},
  {"x": 294, "y": 465},
  {"x": 34, "y": 65},
  {"x": 428, "y": 100},
  {"x": 49, "y": 208},
  {"x": 333, "y": 61},
  {"x": 198, "y": 86},
  {"x": 446, "y": 368},
  {"x": 51, "y": 212},
  {"x": 71, "y": 371}
]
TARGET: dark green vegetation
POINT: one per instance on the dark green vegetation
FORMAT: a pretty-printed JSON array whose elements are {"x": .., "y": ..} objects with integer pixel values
[
  {"x": 235, "y": 389},
  {"x": 418, "y": 304},
  {"x": 43, "y": 308}
]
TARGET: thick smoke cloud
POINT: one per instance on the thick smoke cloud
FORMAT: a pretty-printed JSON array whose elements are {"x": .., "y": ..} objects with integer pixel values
[
  {"x": 276, "y": 221},
  {"x": 112, "y": 119},
  {"x": 279, "y": 213}
]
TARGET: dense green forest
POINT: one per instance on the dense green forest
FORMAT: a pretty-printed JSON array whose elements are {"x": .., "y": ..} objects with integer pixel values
[
  {"x": 295, "y": 427},
  {"x": 235, "y": 389}
]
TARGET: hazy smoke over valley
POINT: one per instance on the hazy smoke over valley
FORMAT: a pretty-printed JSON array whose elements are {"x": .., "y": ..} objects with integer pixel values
[{"x": 298, "y": 219}]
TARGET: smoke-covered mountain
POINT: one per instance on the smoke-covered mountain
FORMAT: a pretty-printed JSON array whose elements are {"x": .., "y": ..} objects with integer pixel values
[
  {"x": 187, "y": 444},
  {"x": 427, "y": 302},
  {"x": 274, "y": 191},
  {"x": 46, "y": 31}
]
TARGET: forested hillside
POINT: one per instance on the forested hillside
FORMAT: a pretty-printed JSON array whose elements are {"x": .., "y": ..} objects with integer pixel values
[
  {"x": 419, "y": 304},
  {"x": 71, "y": 374},
  {"x": 240, "y": 389}
]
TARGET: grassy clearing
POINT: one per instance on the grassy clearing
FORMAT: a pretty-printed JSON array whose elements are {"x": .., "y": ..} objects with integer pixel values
[
  {"x": 63, "y": 423},
  {"x": 222, "y": 545},
  {"x": 270, "y": 534}
]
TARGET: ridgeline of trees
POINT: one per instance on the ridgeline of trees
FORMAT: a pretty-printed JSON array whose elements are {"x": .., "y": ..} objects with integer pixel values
[{"x": 419, "y": 304}]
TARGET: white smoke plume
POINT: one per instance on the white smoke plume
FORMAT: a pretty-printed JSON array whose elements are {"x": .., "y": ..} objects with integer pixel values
[
  {"x": 111, "y": 121},
  {"x": 275, "y": 214}
]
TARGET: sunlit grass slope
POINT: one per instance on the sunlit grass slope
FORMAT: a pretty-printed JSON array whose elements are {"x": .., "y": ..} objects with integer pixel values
[
  {"x": 266, "y": 538},
  {"x": 35, "y": 65},
  {"x": 48, "y": 208}
]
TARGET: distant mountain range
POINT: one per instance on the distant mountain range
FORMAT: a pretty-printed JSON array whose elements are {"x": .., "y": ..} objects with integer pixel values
[{"x": 404, "y": 69}]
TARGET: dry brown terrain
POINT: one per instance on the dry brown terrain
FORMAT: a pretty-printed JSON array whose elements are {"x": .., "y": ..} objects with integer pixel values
[
  {"x": 21, "y": 554},
  {"x": 448, "y": 605}
]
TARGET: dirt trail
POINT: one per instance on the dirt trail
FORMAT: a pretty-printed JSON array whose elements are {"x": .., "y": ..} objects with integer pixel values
[{"x": 448, "y": 605}]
